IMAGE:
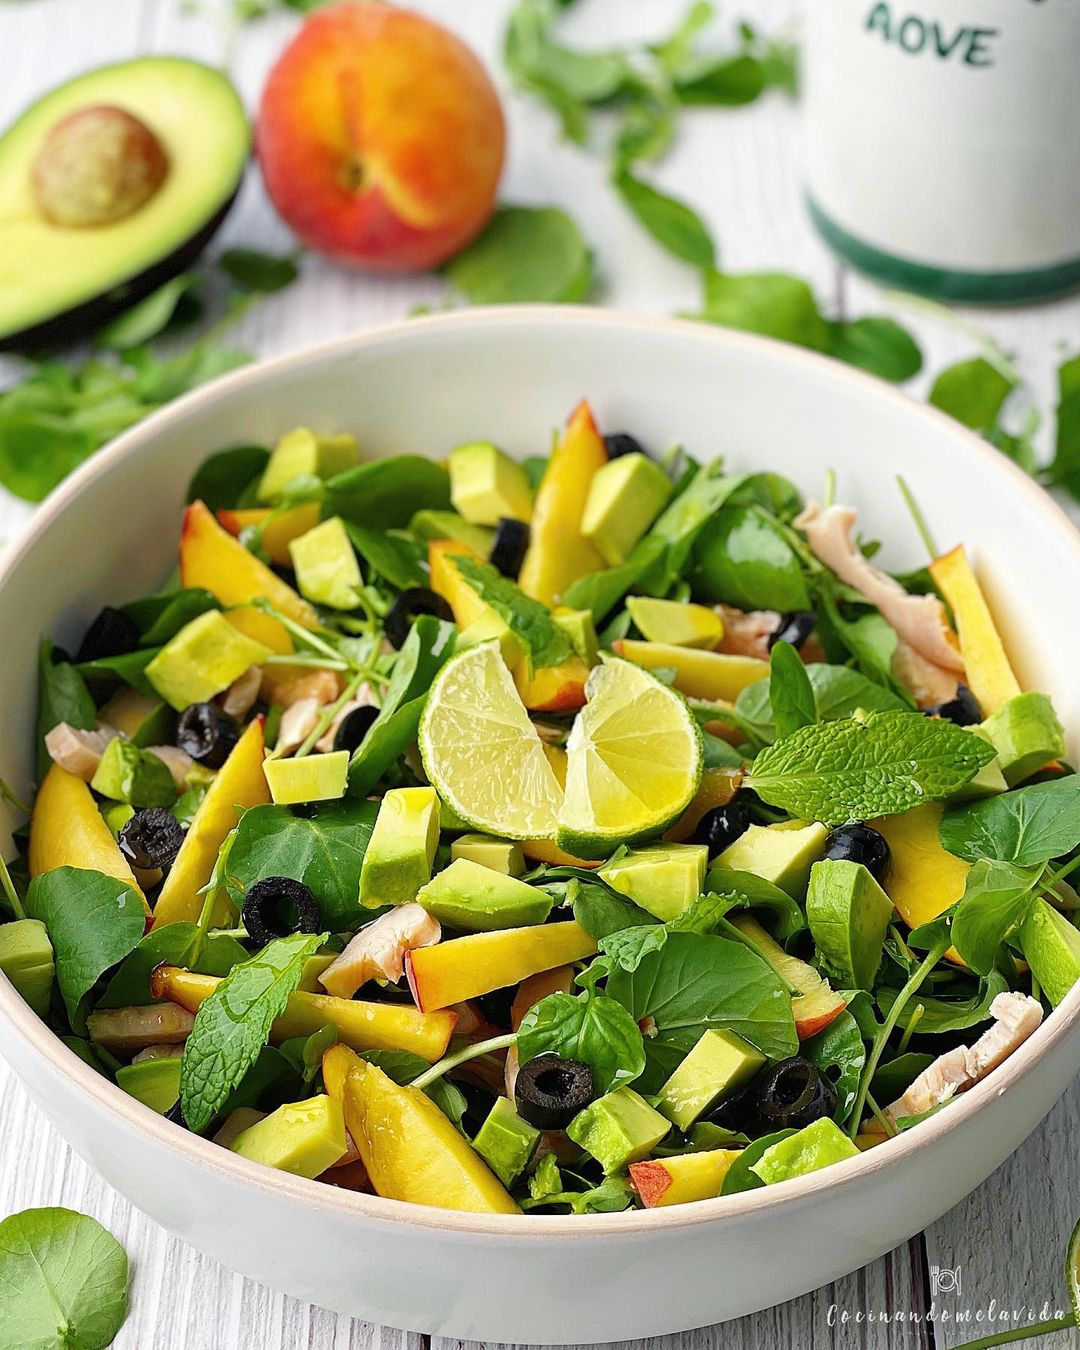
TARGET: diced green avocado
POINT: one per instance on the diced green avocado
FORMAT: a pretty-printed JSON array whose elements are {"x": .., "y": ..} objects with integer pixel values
[
  {"x": 1026, "y": 734},
  {"x": 312, "y": 778},
  {"x": 402, "y": 847},
  {"x": 1051, "y": 947},
  {"x": 491, "y": 627},
  {"x": 506, "y": 1142},
  {"x": 807, "y": 1150},
  {"x": 304, "y": 1138},
  {"x": 987, "y": 782},
  {"x": 618, "y": 1129},
  {"x": 116, "y": 815},
  {"x": 450, "y": 820},
  {"x": 579, "y": 627},
  {"x": 849, "y": 916},
  {"x": 128, "y": 774},
  {"x": 324, "y": 560},
  {"x": 486, "y": 485},
  {"x": 302, "y": 454},
  {"x": 154, "y": 1082},
  {"x": 625, "y": 497},
  {"x": 664, "y": 879},
  {"x": 472, "y": 897},
  {"x": 449, "y": 525},
  {"x": 26, "y": 958},
  {"x": 679, "y": 623},
  {"x": 203, "y": 659},
  {"x": 159, "y": 727},
  {"x": 313, "y": 968},
  {"x": 501, "y": 855},
  {"x": 782, "y": 854},
  {"x": 719, "y": 1064}
]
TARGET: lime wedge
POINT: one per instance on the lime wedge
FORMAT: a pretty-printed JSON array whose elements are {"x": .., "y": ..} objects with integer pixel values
[
  {"x": 481, "y": 752},
  {"x": 633, "y": 761}
]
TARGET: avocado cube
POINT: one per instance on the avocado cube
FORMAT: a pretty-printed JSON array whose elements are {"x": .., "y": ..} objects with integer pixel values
[
  {"x": 26, "y": 958},
  {"x": 402, "y": 847},
  {"x": 324, "y": 560},
  {"x": 472, "y": 897},
  {"x": 579, "y": 627},
  {"x": 116, "y": 815},
  {"x": 849, "y": 915},
  {"x": 1026, "y": 734},
  {"x": 311, "y": 778},
  {"x": 203, "y": 659},
  {"x": 154, "y": 1082},
  {"x": 128, "y": 774},
  {"x": 304, "y": 1138},
  {"x": 1051, "y": 947},
  {"x": 719, "y": 1063},
  {"x": 987, "y": 782},
  {"x": 625, "y": 497},
  {"x": 486, "y": 484},
  {"x": 501, "y": 855},
  {"x": 430, "y": 525},
  {"x": 782, "y": 854},
  {"x": 663, "y": 879},
  {"x": 618, "y": 1129},
  {"x": 807, "y": 1150},
  {"x": 302, "y": 454},
  {"x": 506, "y": 1142},
  {"x": 676, "y": 622}
]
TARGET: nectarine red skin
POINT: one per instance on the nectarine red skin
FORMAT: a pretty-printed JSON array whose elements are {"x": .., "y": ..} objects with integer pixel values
[{"x": 380, "y": 138}]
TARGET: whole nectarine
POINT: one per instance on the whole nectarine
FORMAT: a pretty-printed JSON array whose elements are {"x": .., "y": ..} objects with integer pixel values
[{"x": 381, "y": 138}]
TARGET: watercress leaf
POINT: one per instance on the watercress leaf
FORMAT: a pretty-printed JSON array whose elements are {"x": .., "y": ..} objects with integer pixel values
[
  {"x": 526, "y": 254},
  {"x": 996, "y": 897},
  {"x": 675, "y": 50},
  {"x": 324, "y": 851},
  {"x": 176, "y": 944},
  {"x": 221, "y": 479},
  {"x": 972, "y": 391},
  {"x": 739, "y": 1176},
  {"x": 754, "y": 892},
  {"x": 611, "y": 1195},
  {"x": 940, "y": 1015},
  {"x": 839, "y": 1054},
  {"x": 589, "y": 1027},
  {"x": 695, "y": 982},
  {"x": 63, "y": 1281},
  {"x": 529, "y": 620},
  {"x": 743, "y": 558},
  {"x": 62, "y": 697},
  {"x": 791, "y": 695},
  {"x": 876, "y": 344},
  {"x": 729, "y": 81},
  {"x": 159, "y": 381},
  {"x": 772, "y": 491},
  {"x": 253, "y": 270},
  {"x": 385, "y": 494},
  {"x": 393, "y": 554},
  {"x": 601, "y": 912},
  {"x": 673, "y": 224},
  {"x": 149, "y": 317},
  {"x": 1028, "y": 825},
  {"x": 773, "y": 303},
  {"x": 599, "y": 592},
  {"x": 233, "y": 1024},
  {"x": 838, "y": 692},
  {"x": 857, "y": 769},
  {"x": 93, "y": 921},
  {"x": 160, "y": 617},
  {"x": 645, "y": 132}
]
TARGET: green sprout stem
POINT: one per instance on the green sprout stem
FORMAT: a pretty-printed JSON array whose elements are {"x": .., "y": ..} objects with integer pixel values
[
  {"x": 917, "y": 516},
  {"x": 9, "y": 796},
  {"x": 327, "y": 716},
  {"x": 449, "y": 1062},
  {"x": 10, "y": 892}
]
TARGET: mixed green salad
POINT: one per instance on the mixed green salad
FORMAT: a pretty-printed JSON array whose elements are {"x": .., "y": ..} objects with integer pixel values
[{"x": 597, "y": 830}]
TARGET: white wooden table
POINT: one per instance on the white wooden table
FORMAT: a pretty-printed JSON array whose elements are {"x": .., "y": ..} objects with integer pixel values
[{"x": 741, "y": 169}]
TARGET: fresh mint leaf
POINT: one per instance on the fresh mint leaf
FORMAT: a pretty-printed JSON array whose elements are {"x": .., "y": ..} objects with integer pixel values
[
  {"x": 385, "y": 494},
  {"x": 973, "y": 392},
  {"x": 838, "y": 692},
  {"x": 253, "y": 270},
  {"x": 775, "y": 304},
  {"x": 839, "y": 1054},
  {"x": 879, "y": 765},
  {"x": 526, "y": 254},
  {"x": 673, "y": 224},
  {"x": 529, "y": 620},
  {"x": 589, "y": 1027},
  {"x": 791, "y": 694},
  {"x": 1028, "y": 825},
  {"x": 233, "y": 1024},
  {"x": 996, "y": 897},
  {"x": 93, "y": 922},
  {"x": 63, "y": 1281},
  {"x": 62, "y": 697},
  {"x": 876, "y": 344},
  {"x": 175, "y": 944},
  {"x": 221, "y": 479}
]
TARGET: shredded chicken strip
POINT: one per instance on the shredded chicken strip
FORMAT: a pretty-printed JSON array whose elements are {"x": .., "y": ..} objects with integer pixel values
[
  {"x": 747, "y": 632},
  {"x": 929, "y": 684},
  {"x": 239, "y": 699},
  {"x": 378, "y": 950},
  {"x": 297, "y": 723},
  {"x": 78, "y": 751}
]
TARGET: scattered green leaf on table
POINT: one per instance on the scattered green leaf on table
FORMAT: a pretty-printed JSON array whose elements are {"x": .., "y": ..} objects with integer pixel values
[
  {"x": 526, "y": 253},
  {"x": 673, "y": 224},
  {"x": 972, "y": 391},
  {"x": 256, "y": 271},
  {"x": 149, "y": 317},
  {"x": 775, "y": 304},
  {"x": 877, "y": 344}
]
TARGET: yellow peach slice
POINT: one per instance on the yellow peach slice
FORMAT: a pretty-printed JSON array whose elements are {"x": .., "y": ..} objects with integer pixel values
[{"x": 989, "y": 675}]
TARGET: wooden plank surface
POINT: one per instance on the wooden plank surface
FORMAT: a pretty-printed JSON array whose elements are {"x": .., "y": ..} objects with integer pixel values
[{"x": 740, "y": 167}]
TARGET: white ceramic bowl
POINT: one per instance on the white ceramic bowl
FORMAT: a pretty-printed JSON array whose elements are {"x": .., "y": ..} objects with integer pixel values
[{"x": 510, "y": 375}]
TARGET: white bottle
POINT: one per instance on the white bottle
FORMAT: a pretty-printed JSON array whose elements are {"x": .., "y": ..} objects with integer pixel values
[{"x": 942, "y": 142}]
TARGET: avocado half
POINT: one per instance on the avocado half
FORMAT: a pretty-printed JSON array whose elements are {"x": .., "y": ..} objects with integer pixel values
[{"x": 58, "y": 283}]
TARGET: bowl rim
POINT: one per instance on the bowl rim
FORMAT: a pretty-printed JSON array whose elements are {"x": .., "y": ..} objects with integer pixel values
[{"x": 202, "y": 1152}]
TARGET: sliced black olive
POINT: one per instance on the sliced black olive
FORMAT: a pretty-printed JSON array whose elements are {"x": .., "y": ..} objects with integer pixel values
[
  {"x": 496, "y": 1006},
  {"x": 151, "y": 838},
  {"x": 859, "y": 843},
  {"x": 353, "y": 727},
  {"x": 407, "y": 608},
  {"x": 722, "y": 826},
  {"x": 207, "y": 734},
  {"x": 550, "y": 1091},
  {"x": 964, "y": 709},
  {"x": 278, "y": 906},
  {"x": 622, "y": 443},
  {"x": 111, "y": 634},
  {"x": 508, "y": 547},
  {"x": 737, "y": 1112},
  {"x": 792, "y": 1094},
  {"x": 175, "y": 1113},
  {"x": 795, "y": 628}
]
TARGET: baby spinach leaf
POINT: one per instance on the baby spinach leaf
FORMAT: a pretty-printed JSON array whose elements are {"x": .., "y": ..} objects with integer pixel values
[
  {"x": 177, "y": 944},
  {"x": 525, "y": 254},
  {"x": 393, "y": 554},
  {"x": 93, "y": 921},
  {"x": 972, "y": 391},
  {"x": 221, "y": 479},
  {"x": 403, "y": 1067},
  {"x": 771, "y": 491},
  {"x": 694, "y": 982},
  {"x": 773, "y": 303},
  {"x": 324, "y": 851},
  {"x": 233, "y": 1024},
  {"x": 684, "y": 518},
  {"x": 63, "y": 1281},
  {"x": 739, "y": 1176},
  {"x": 589, "y": 1027},
  {"x": 270, "y": 1082},
  {"x": 627, "y": 948},
  {"x": 878, "y": 345},
  {"x": 62, "y": 697},
  {"x": 867, "y": 637},
  {"x": 1029, "y": 825},
  {"x": 838, "y": 692},
  {"x": 128, "y": 667},
  {"x": 742, "y": 558},
  {"x": 996, "y": 897},
  {"x": 160, "y": 617},
  {"x": 529, "y": 620},
  {"x": 790, "y": 692},
  {"x": 386, "y": 493},
  {"x": 879, "y": 765},
  {"x": 253, "y": 270},
  {"x": 599, "y": 592},
  {"x": 895, "y": 1076},
  {"x": 940, "y": 1015},
  {"x": 670, "y": 222},
  {"x": 839, "y": 1054},
  {"x": 754, "y": 892},
  {"x": 600, "y": 911}
]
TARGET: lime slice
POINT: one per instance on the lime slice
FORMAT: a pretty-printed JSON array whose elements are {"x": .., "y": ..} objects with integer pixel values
[
  {"x": 633, "y": 761},
  {"x": 481, "y": 752}
]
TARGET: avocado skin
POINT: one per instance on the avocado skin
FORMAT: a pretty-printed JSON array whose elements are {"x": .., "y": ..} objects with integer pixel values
[{"x": 80, "y": 320}]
